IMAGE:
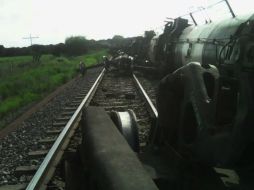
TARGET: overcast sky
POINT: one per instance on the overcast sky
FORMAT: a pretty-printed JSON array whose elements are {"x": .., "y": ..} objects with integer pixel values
[{"x": 54, "y": 20}]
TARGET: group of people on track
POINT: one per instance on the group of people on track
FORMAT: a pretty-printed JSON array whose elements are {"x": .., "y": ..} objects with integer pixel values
[{"x": 82, "y": 66}]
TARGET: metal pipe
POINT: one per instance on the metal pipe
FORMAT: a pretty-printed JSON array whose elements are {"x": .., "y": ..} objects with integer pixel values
[
  {"x": 193, "y": 19},
  {"x": 230, "y": 9}
]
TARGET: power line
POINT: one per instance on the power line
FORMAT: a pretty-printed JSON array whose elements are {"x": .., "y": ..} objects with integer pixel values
[{"x": 30, "y": 38}]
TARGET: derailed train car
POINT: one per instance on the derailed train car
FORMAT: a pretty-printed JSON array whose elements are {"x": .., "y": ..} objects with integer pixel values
[
  {"x": 206, "y": 101},
  {"x": 216, "y": 61},
  {"x": 213, "y": 66},
  {"x": 151, "y": 54},
  {"x": 204, "y": 132},
  {"x": 122, "y": 62},
  {"x": 206, "y": 105},
  {"x": 195, "y": 43}
]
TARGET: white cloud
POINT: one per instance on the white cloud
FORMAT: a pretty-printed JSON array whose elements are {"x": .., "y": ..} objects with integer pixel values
[{"x": 54, "y": 20}]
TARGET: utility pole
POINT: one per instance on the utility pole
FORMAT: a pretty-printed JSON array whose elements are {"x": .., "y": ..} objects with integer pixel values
[{"x": 30, "y": 38}]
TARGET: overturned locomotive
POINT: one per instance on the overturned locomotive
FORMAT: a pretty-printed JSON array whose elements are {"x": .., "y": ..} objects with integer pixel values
[
  {"x": 204, "y": 132},
  {"x": 212, "y": 43},
  {"x": 209, "y": 93},
  {"x": 206, "y": 99},
  {"x": 206, "y": 104}
]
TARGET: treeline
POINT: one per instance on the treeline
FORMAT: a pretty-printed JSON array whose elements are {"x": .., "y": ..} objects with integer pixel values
[{"x": 73, "y": 46}]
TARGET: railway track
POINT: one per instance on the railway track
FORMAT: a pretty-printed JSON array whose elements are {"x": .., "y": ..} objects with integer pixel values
[
  {"x": 120, "y": 94},
  {"x": 114, "y": 93},
  {"x": 24, "y": 150},
  {"x": 150, "y": 85}
]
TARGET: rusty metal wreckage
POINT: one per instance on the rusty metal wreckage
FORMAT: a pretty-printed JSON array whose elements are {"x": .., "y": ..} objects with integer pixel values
[{"x": 203, "y": 137}]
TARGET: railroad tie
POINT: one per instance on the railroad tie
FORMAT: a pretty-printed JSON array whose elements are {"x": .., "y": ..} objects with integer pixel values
[
  {"x": 47, "y": 141},
  {"x": 76, "y": 101},
  {"x": 54, "y": 131},
  {"x": 115, "y": 107},
  {"x": 85, "y": 90},
  {"x": 82, "y": 94},
  {"x": 130, "y": 96},
  {"x": 60, "y": 124},
  {"x": 25, "y": 170},
  {"x": 70, "y": 108},
  {"x": 37, "y": 154},
  {"x": 14, "y": 187},
  {"x": 63, "y": 119},
  {"x": 67, "y": 113},
  {"x": 75, "y": 104},
  {"x": 79, "y": 98}
]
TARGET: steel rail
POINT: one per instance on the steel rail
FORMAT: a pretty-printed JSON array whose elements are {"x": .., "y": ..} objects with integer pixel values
[
  {"x": 47, "y": 167},
  {"x": 154, "y": 110}
]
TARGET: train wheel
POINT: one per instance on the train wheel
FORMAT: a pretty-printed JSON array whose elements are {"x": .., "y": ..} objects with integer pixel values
[{"x": 126, "y": 123}]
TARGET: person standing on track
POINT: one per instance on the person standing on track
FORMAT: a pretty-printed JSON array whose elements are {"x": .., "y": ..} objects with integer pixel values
[
  {"x": 106, "y": 62},
  {"x": 82, "y": 68}
]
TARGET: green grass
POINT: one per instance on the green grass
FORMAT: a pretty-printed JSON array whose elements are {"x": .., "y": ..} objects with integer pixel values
[
  {"x": 10, "y": 66},
  {"x": 31, "y": 83},
  {"x": 16, "y": 60}
]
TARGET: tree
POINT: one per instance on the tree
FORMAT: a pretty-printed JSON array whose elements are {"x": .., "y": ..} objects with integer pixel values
[
  {"x": 1, "y": 50},
  {"x": 117, "y": 41},
  {"x": 117, "y": 38},
  {"x": 76, "y": 45},
  {"x": 37, "y": 52},
  {"x": 58, "y": 49}
]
